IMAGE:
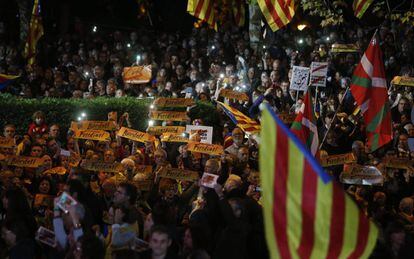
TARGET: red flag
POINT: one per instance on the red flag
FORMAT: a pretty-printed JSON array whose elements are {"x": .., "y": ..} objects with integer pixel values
[
  {"x": 369, "y": 89},
  {"x": 304, "y": 126}
]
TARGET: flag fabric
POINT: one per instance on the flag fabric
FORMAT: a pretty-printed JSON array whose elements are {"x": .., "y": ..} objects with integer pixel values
[
  {"x": 203, "y": 10},
  {"x": 306, "y": 213},
  {"x": 35, "y": 32},
  {"x": 360, "y": 6},
  {"x": 278, "y": 13},
  {"x": 239, "y": 12},
  {"x": 304, "y": 126},
  {"x": 242, "y": 121},
  {"x": 5, "y": 80},
  {"x": 369, "y": 89}
]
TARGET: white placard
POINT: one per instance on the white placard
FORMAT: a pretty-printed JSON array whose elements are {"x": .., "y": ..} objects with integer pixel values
[
  {"x": 319, "y": 73},
  {"x": 300, "y": 78},
  {"x": 206, "y": 132}
]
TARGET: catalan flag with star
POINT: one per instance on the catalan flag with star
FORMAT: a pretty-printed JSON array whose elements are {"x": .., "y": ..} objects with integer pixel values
[
  {"x": 242, "y": 121},
  {"x": 203, "y": 10},
  {"x": 278, "y": 13},
  {"x": 306, "y": 213}
]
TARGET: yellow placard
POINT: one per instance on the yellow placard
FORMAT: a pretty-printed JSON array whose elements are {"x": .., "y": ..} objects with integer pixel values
[
  {"x": 179, "y": 174},
  {"x": 7, "y": 142},
  {"x": 287, "y": 118},
  {"x": 98, "y": 166},
  {"x": 168, "y": 116},
  {"x": 231, "y": 94},
  {"x": 173, "y": 102},
  {"x": 403, "y": 81},
  {"x": 159, "y": 130},
  {"x": 171, "y": 137},
  {"x": 338, "y": 159},
  {"x": 60, "y": 170},
  {"x": 92, "y": 135},
  {"x": 205, "y": 148},
  {"x": 135, "y": 135},
  {"x": 344, "y": 48},
  {"x": 137, "y": 74},
  {"x": 25, "y": 161},
  {"x": 97, "y": 125}
]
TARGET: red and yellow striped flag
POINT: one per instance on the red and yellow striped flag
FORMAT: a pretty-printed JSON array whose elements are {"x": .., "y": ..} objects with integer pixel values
[
  {"x": 278, "y": 13},
  {"x": 242, "y": 121},
  {"x": 35, "y": 32},
  {"x": 360, "y": 6},
  {"x": 239, "y": 12},
  {"x": 203, "y": 10},
  {"x": 306, "y": 213}
]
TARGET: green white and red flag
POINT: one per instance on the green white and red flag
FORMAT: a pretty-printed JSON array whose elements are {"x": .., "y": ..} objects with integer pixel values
[
  {"x": 304, "y": 126},
  {"x": 369, "y": 89}
]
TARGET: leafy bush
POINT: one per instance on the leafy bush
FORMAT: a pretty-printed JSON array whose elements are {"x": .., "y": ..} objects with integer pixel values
[{"x": 62, "y": 111}]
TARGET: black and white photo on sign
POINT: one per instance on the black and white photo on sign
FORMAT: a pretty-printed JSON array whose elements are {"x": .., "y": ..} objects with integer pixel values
[{"x": 300, "y": 78}]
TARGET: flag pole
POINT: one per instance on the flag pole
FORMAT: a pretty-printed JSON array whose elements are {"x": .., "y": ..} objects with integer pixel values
[{"x": 334, "y": 117}]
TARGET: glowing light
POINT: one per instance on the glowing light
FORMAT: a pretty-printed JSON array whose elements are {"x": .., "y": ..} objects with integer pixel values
[
  {"x": 94, "y": 29},
  {"x": 213, "y": 47},
  {"x": 183, "y": 134},
  {"x": 152, "y": 106},
  {"x": 301, "y": 27},
  {"x": 138, "y": 58},
  {"x": 328, "y": 38},
  {"x": 150, "y": 123},
  {"x": 221, "y": 75},
  {"x": 129, "y": 45},
  {"x": 300, "y": 41},
  {"x": 79, "y": 118},
  {"x": 83, "y": 115}
]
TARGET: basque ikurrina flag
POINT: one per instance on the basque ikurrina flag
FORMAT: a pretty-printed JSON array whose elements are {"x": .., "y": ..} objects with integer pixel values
[
  {"x": 369, "y": 89},
  {"x": 304, "y": 126},
  {"x": 306, "y": 213}
]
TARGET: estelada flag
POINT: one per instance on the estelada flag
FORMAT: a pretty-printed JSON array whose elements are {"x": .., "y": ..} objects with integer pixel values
[
  {"x": 304, "y": 126},
  {"x": 5, "y": 80},
  {"x": 369, "y": 89},
  {"x": 241, "y": 120},
  {"x": 306, "y": 213}
]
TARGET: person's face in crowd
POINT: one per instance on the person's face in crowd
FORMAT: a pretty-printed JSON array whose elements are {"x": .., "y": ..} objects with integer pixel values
[
  {"x": 403, "y": 105},
  {"x": 330, "y": 139},
  {"x": 243, "y": 155},
  {"x": 238, "y": 137},
  {"x": 119, "y": 93},
  {"x": 159, "y": 158},
  {"x": 36, "y": 151},
  {"x": 265, "y": 78},
  {"x": 100, "y": 87},
  {"x": 250, "y": 73},
  {"x": 254, "y": 178},
  {"x": 276, "y": 65},
  {"x": 70, "y": 144},
  {"x": 103, "y": 57},
  {"x": 188, "y": 240},
  {"x": 174, "y": 60},
  {"x": 44, "y": 187},
  {"x": 39, "y": 120},
  {"x": 180, "y": 70},
  {"x": 229, "y": 70},
  {"x": 54, "y": 131},
  {"x": 53, "y": 146},
  {"x": 211, "y": 167},
  {"x": 47, "y": 161},
  {"x": 120, "y": 196},
  {"x": 8, "y": 236},
  {"x": 9, "y": 132},
  {"x": 170, "y": 192},
  {"x": 98, "y": 72},
  {"x": 72, "y": 77},
  {"x": 285, "y": 87},
  {"x": 274, "y": 76},
  {"x": 403, "y": 141},
  {"x": 233, "y": 79},
  {"x": 109, "y": 156},
  {"x": 159, "y": 243},
  {"x": 110, "y": 88}
]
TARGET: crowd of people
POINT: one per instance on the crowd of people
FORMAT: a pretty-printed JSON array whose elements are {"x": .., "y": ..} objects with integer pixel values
[{"x": 113, "y": 215}]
